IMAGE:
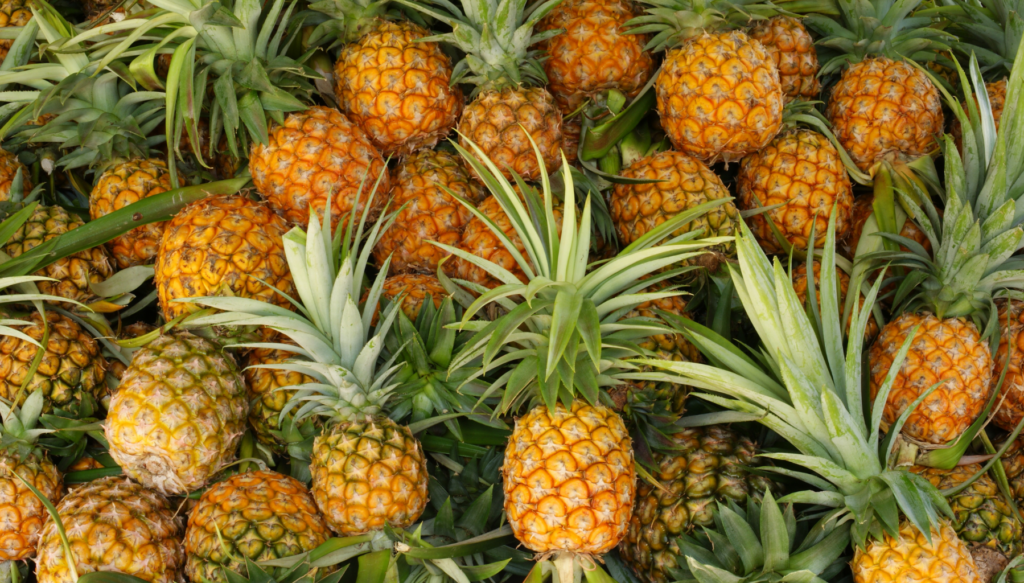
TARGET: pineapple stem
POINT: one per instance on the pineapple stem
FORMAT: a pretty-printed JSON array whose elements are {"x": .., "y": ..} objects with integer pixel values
[{"x": 565, "y": 567}]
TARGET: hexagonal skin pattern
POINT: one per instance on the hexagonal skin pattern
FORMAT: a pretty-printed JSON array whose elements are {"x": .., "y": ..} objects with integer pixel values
[
  {"x": 497, "y": 121},
  {"x": 268, "y": 393},
  {"x": 178, "y": 415},
  {"x": 594, "y": 54},
  {"x": 1010, "y": 404},
  {"x": 685, "y": 182},
  {"x": 792, "y": 49},
  {"x": 397, "y": 89},
  {"x": 125, "y": 184},
  {"x": 368, "y": 473},
  {"x": 22, "y": 514},
  {"x": 883, "y": 109},
  {"x": 910, "y": 557},
  {"x": 113, "y": 524},
  {"x": 416, "y": 287},
  {"x": 949, "y": 350},
  {"x": 72, "y": 365},
  {"x": 429, "y": 213},
  {"x": 719, "y": 97},
  {"x": 9, "y": 163},
  {"x": 259, "y": 516},
  {"x": 316, "y": 154},
  {"x": 569, "y": 479},
  {"x": 801, "y": 170},
  {"x": 222, "y": 246},
  {"x": 843, "y": 280}
]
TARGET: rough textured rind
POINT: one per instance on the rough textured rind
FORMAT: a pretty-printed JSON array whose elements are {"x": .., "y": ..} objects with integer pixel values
[
  {"x": 268, "y": 393},
  {"x": 125, "y": 184},
  {"x": 22, "y": 514},
  {"x": 1010, "y": 404},
  {"x": 912, "y": 558},
  {"x": 178, "y": 415},
  {"x": 569, "y": 479},
  {"x": 792, "y": 49},
  {"x": 9, "y": 163}
]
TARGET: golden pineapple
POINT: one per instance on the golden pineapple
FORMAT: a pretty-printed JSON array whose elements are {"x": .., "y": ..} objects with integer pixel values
[
  {"x": 75, "y": 273},
  {"x": 422, "y": 181},
  {"x": 843, "y": 285},
  {"x": 594, "y": 54},
  {"x": 268, "y": 393},
  {"x": 71, "y": 369},
  {"x": 13, "y": 13},
  {"x": 792, "y": 49},
  {"x": 222, "y": 246},
  {"x": 258, "y": 516},
  {"x": 911, "y": 557},
  {"x": 116, "y": 525},
  {"x": 178, "y": 415},
  {"x": 1010, "y": 404},
  {"x": 9, "y": 163},
  {"x": 719, "y": 96},
  {"x": 416, "y": 287},
  {"x": 569, "y": 479},
  {"x": 316, "y": 155},
  {"x": 120, "y": 186},
  {"x": 397, "y": 88},
  {"x": 950, "y": 350},
  {"x": 802, "y": 171}
]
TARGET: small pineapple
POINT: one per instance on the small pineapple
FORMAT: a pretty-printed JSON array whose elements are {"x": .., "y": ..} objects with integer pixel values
[
  {"x": 792, "y": 49},
  {"x": 120, "y": 186}
]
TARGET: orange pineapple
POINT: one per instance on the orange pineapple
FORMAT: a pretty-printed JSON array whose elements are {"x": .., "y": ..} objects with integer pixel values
[
  {"x": 792, "y": 49},
  {"x": 120, "y": 186},
  {"x": 9, "y": 166}
]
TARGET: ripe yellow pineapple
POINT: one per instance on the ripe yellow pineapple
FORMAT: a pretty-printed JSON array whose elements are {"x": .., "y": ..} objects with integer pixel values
[
  {"x": 843, "y": 284},
  {"x": 222, "y": 246},
  {"x": 594, "y": 54},
  {"x": 802, "y": 171},
  {"x": 268, "y": 393},
  {"x": 9, "y": 164},
  {"x": 178, "y": 415},
  {"x": 316, "y": 155},
  {"x": 569, "y": 479},
  {"x": 792, "y": 49},
  {"x": 1010, "y": 404},
  {"x": 113, "y": 524},
  {"x": 498, "y": 121},
  {"x": 258, "y": 516},
  {"x": 397, "y": 88},
  {"x": 120, "y": 186},
  {"x": 944, "y": 559},
  {"x": 429, "y": 213}
]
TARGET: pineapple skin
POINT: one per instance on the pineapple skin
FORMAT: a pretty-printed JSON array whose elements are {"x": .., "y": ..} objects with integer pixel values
[
  {"x": 950, "y": 349},
  {"x": 259, "y": 515},
  {"x": 73, "y": 273},
  {"x": 843, "y": 282},
  {"x": 708, "y": 467},
  {"x": 719, "y": 97},
  {"x": 222, "y": 246},
  {"x": 268, "y": 393},
  {"x": 416, "y": 287},
  {"x": 114, "y": 524},
  {"x": 23, "y": 513},
  {"x": 178, "y": 415},
  {"x": 397, "y": 89},
  {"x": 71, "y": 367},
  {"x": 792, "y": 49},
  {"x": 429, "y": 213},
  {"x": 315, "y": 155},
  {"x": 1010, "y": 403},
  {"x": 595, "y": 54},
  {"x": 569, "y": 479},
  {"x": 802, "y": 170},
  {"x": 910, "y": 557},
  {"x": 368, "y": 473},
  {"x": 498, "y": 122},
  {"x": 883, "y": 109},
  {"x": 9, "y": 164},
  {"x": 13, "y": 13},
  {"x": 120, "y": 186}
]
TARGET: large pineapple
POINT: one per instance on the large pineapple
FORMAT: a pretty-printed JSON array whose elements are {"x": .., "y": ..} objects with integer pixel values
[
  {"x": 124, "y": 184},
  {"x": 792, "y": 49},
  {"x": 9, "y": 166},
  {"x": 801, "y": 171},
  {"x": 116, "y": 525},
  {"x": 595, "y": 54},
  {"x": 421, "y": 185},
  {"x": 316, "y": 156},
  {"x": 73, "y": 274},
  {"x": 178, "y": 415},
  {"x": 255, "y": 516}
]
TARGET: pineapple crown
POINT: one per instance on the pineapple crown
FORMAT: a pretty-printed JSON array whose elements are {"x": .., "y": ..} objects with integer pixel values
[
  {"x": 496, "y": 36},
  {"x": 990, "y": 29},
  {"x": 564, "y": 333},
  {"x": 803, "y": 385},
  {"x": 672, "y": 22},
  {"x": 20, "y": 435},
  {"x": 349, "y": 20},
  {"x": 877, "y": 27},
  {"x": 980, "y": 230}
]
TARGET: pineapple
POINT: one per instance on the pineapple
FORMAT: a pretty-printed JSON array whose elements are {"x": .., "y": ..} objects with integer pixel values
[
  {"x": 13, "y": 13},
  {"x": 421, "y": 184},
  {"x": 1010, "y": 406},
  {"x": 800, "y": 285},
  {"x": 269, "y": 391},
  {"x": 595, "y": 54},
  {"x": 120, "y": 186},
  {"x": 255, "y": 516},
  {"x": 705, "y": 466},
  {"x": 116, "y": 525},
  {"x": 416, "y": 289},
  {"x": 315, "y": 156},
  {"x": 20, "y": 455},
  {"x": 70, "y": 371},
  {"x": 943, "y": 559},
  {"x": 792, "y": 49},
  {"x": 222, "y": 246},
  {"x": 9, "y": 166},
  {"x": 73, "y": 274},
  {"x": 800, "y": 170},
  {"x": 179, "y": 414}
]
